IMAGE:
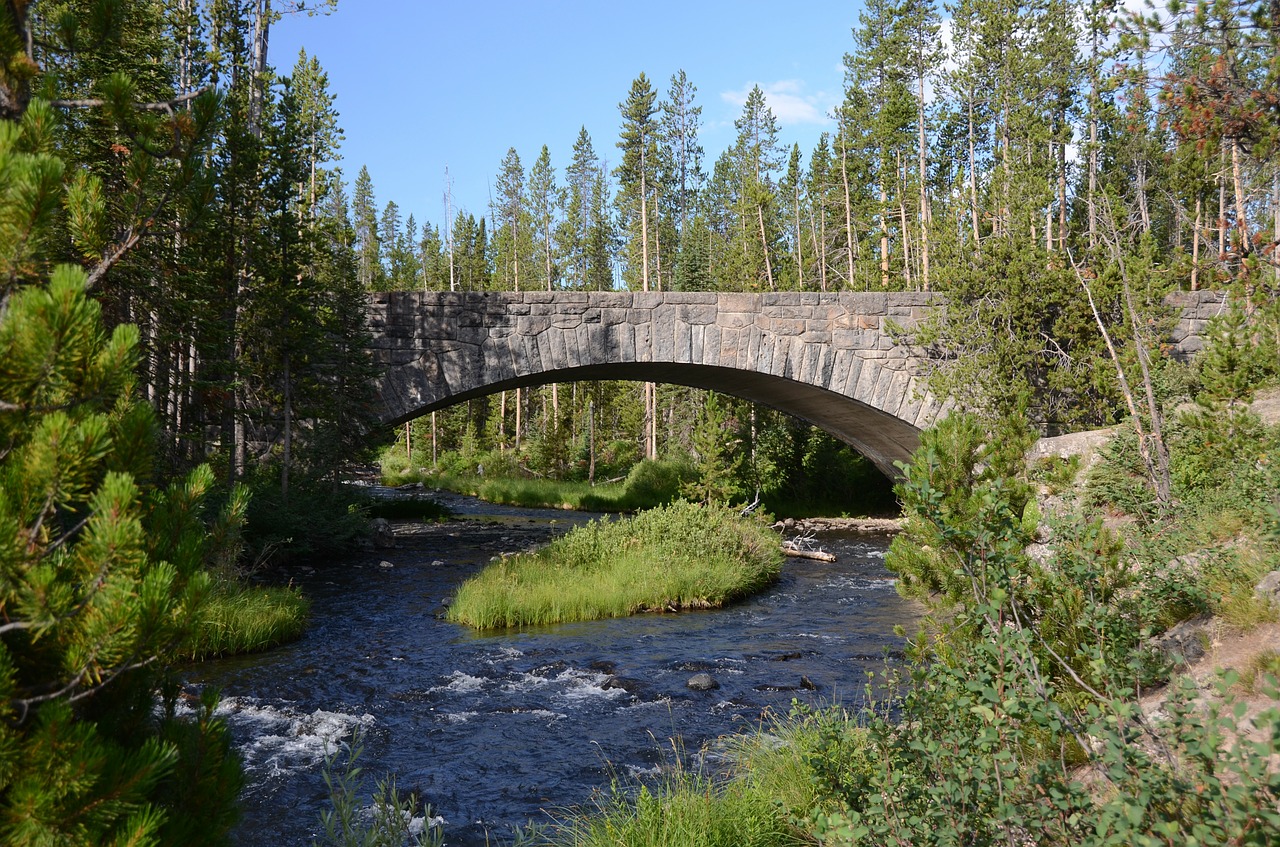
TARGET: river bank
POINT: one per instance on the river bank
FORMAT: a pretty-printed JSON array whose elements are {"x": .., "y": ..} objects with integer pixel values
[{"x": 498, "y": 730}]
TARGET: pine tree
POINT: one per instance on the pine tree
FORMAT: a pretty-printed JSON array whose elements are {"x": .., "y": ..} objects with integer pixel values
[
  {"x": 512, "y": 236},
  {"x": 101, "y": 574},
  {"x": 544, "y": 200},
  {"x": 637, "y": 180},
  {"x": 364, "y": 216}
]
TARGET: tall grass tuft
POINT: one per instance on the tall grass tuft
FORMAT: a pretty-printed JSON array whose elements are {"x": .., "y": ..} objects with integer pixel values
[
  {"x": 686, "y": 808},
  {"x": 239, "y": 618},
  {"x": 681, "y": 556}
]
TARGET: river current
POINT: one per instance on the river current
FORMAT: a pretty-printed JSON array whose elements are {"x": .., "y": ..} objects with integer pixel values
[{"x": 498, "y": 730}]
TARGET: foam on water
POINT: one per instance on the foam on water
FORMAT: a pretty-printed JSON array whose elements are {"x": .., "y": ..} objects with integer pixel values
[{"x": 283, "y": 739}]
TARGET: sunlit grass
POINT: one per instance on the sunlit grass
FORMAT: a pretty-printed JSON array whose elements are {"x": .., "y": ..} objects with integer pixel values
[
  {"x": 243, "y": 619},
  {"x": 680, "y": 556}
]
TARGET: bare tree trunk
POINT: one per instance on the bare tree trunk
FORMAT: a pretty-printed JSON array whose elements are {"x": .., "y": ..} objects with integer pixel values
[
  {"x": 1094, "y": 84},
  {"x": 848, "y": 206},
  {"x": 1275, "y": 222},
  {"x": 1237, "y": 182},
  {"x": 435, "y": 455},
  {"x": 286, "y": 459},
  {"x": 973, "y": 179},
  {"x": 1222, "y": 203},
  {"x": 1159, "y": 482},
  {"x": 591, "y": 441},
  {"x": 1195, "y": 246},
  {"x": 799, "y": 230},
  {"x": 764, "y": 246},
  {"x": 924, "y": 191},
  {"x": 884, "y": 235},
  {"x": 502, "y": 422},
  {"x": 1062, "y": 196}
]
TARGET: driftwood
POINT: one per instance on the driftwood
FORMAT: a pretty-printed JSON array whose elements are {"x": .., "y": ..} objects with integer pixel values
[
  {"x": 801, "y": 547},
  {"x": 820, "y": 555}
]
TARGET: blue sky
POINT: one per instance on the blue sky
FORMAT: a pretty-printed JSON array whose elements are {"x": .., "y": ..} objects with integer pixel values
[{"x": 422, "y": 85}]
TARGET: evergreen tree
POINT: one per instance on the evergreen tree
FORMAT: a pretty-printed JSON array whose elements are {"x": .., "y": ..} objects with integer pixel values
[
  {"x": 637, "y": 182},
  {"x": 364, "y": 216},
  {"x": 544, "y": 200},
  {"x": 512, "y": 238}
]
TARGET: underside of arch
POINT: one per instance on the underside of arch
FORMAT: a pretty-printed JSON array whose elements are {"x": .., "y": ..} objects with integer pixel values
[{"x": 881, "y": 437}]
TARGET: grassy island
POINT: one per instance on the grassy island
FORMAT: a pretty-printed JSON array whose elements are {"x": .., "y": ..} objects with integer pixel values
[{"x": 680, "y": 556}]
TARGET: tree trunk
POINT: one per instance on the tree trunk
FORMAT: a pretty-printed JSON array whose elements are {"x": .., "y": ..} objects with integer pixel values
[
  {"x": 848, "y": 208},
  {"x": 1195, "y": 246},
  {"x": 286, "y": 460},
  {"x": 1222, "y": 203},
  {"x": 764, "y": 246},
  {"x": 973, "y": 179},
  {"x": 799, "y": 229},
  {"x": 924, "y": 192}
]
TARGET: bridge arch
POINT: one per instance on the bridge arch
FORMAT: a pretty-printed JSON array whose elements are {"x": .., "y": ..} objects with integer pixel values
[{"x": 828, "y": 359}]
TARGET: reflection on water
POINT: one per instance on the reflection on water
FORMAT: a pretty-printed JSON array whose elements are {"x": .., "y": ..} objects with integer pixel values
[{"x": 497, "y": 730}]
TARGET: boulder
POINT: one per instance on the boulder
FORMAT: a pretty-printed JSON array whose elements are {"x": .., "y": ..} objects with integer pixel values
[
  {"x": 1268, "y": 589},
  {"x": 384, "y": 537},
  {"x": 702, "y": 682},
  {"x": 1185, "y": 643}
]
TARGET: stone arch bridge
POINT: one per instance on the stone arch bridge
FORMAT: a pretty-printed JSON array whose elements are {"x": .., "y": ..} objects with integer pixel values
[{"x": 830, "y": 359}]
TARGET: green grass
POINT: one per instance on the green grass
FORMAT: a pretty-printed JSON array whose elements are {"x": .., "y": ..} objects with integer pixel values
[
  {"x": 680, "y": 556},
  {"x": 684, "y": 811},
  {"x": 532, "y": 493},
  {"x": 244, "y": 619},
  {"x": 650, "y": 483},
  {"x": 779, "y": 776}
]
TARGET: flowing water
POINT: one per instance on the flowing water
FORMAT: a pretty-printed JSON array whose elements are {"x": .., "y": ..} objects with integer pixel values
[{"x": 497, "y": 730}]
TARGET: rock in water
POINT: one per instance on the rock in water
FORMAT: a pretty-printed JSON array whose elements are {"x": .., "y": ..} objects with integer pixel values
[
  {"x": 703, "y": 682},
  {"x": 384, "y": 537}
]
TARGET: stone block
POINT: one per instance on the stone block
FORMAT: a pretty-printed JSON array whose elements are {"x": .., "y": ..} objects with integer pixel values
[
  {"x": 735, "y": 320},
  {"x": 559, "y": 349},
  {"x": 763, "y": 358},
  {"x": 675, "y": 298},
  {"x": 682, "y": 342},
  {"x": 786, "y": 326},
  {"x": 613, "y": 316},
  {"x": 696, "y": 336},
  {"x": 697, "y": 313},
  {"x": 737, "y": 301},
  {"x": 644, "y": 342},
  {"x": 729, "y": 347},
  {"x": 532, "y": 324},
  {"x": 646, "y": 299},
  {"x": 751, "y": 348},
  {"x": 868, "y": 375},
  {"x": 711, "y": 345}
]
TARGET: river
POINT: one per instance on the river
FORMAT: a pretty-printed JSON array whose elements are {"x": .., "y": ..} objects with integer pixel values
[{"x": 496, "y": 730}]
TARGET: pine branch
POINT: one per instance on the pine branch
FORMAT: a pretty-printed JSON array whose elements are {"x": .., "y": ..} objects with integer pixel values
[{"x": 166, "y": 106}]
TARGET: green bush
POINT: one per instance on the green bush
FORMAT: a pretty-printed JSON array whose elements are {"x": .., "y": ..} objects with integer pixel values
[
  {"x": 679, "y": 556},
  {"x": 652, "y": 482},
  {"x": 317, "y": 519}
]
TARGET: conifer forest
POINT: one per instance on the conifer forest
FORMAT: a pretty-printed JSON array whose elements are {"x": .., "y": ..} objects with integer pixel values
[{"x": 185, "y": 258}]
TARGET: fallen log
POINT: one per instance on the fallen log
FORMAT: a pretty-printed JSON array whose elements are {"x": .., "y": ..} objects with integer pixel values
[{"x": 796, "y": 552}]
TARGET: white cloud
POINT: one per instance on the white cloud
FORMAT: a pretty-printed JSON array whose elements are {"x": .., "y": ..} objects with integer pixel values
[{"x": 789, "y": 101}]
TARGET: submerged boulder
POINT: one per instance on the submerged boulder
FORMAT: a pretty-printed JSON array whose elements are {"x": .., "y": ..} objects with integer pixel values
[
  {"x": 702, "y": 682},
  {"x": 384, "y": 537}
]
